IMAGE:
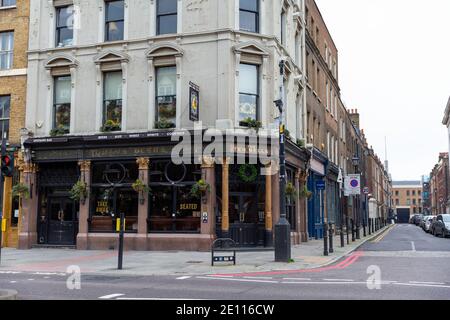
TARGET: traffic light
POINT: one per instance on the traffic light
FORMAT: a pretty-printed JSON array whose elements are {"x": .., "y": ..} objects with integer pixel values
[{"x": 7, "y": 165}]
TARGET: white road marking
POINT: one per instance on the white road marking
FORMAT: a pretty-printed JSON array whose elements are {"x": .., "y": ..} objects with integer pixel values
[
  {"x": 30, "y": 279},
  {"x": 343, "y": 280},
  {"x": 259, "y": 278},
  {"x": 12, "y": 281},
  {"x": 422, "y": 285},
  {"x": 238, "y": 280},
  {"x": 327, "y": 283},
  {"x": 424, "y": 282},
  {"x": 214, "y": 276},
  {"x": 297, "y": 279},
  {"x": 413, "y": 246},
  {"x": 183, "y": 278},
  {"x": 157, "y": 299},
  {"x": 111, "y": 296},
  {"x": 10, "y": 272}
]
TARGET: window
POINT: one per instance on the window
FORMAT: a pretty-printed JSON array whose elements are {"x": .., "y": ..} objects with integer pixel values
[
  {"x": 283, "y": 23},
  {"x": 5, "y": 107},
  {"x": 408, "y": 202},
  {"x": 64, "y": 26},
  {"x": 112, "y": 100},
  {"x": 396, "y": 193},
  {"x": 166, "y": 18},
  {"x": 7, "y": 3},
  {"x": 397, "y": 202},
  {"x": 61, "y": 105},
  {"x": 166, "y": 95},
  {"x": 414, "y": 202},
  {"x": 6, "y": 50},
  {"x": 249, "y": 15},
  {"x": 414, "y": 192},
  {"x": 407, "y": 193},
  {"x": 248, "y": 92},
  {"x": 114, "y": 20}
]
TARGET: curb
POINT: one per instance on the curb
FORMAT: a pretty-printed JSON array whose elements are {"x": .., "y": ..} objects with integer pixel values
[
  {"x": 355, "y": 248},
  {"x": 8, "y": 295}
]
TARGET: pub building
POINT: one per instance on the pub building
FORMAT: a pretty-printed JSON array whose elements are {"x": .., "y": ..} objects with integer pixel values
[{"x": 240, "y": 203}]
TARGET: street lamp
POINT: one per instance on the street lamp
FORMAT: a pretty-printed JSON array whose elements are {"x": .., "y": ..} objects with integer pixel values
[{"x": 355, "y": 162}]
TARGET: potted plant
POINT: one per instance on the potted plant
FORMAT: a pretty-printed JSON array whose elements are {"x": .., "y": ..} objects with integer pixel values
[
  {"x": 251, "y": 123},
  {"x": 110, "y": 126},
  {"x": 301, "y": 143},
  {"x": 140, "y": 187},
  {"x": 291, "y": 191},
  {"x": 21, "y": 191},
  {"x": 59, "y": 131},
  {"x": 79, "y": 191},
  {"x": 199, "y": 188},
  {"x": 164, "y": 124},
  {"x": 305, "y": 193}
]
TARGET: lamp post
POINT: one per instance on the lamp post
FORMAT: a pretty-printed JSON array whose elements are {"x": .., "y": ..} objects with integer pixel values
[
  {"x": 355, "y": 161},
  {"x": 282, "y": 228}
]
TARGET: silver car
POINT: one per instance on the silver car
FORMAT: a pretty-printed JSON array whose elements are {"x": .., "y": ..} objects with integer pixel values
[{"x": 428, "y": 224}]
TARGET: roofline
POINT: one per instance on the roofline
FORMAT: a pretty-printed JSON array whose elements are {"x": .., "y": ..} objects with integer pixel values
[
  {"x": 445, "y": 121},
  {"x": 326, "y": 27}
]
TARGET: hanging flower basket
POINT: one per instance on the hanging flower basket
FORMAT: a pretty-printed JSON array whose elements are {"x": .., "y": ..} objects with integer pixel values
[
  {"x": 140, "y": 187},
  {"x": 79, "y": 191},
  {"x": 305, "y": 193},
  {"x": 291, "y": 191},
  {"x": 21, "y": 191},
  {"x": 248, "y": 173},
  {"x": 200, "y": 188}
]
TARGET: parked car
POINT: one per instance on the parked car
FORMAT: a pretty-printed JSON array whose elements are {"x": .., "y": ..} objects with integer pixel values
[
  {"x": 412, "y": 220},
  {"x": 417, "y": 219},
  {"x": 424, "y": 221},
  {"x": 441, "y": 226},
  {"x": 428, "y": 224}
]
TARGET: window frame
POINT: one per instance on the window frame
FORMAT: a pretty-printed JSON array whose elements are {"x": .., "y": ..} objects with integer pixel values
[
  {"x": 258, "y": 90},
  {"x": 104, "y": 101},
  {"x": 3, "y": 5},
  {"x": 6, "y": 120},
  {"x": 60, "y": 104},
  {"x": 107, "y": 22},
  {"x": 6, "y": 53},
  {"x": 59, "y": 27},
  {"x": 256, "y": 15},
  {"x": 165, "y": 96},
  {"x": 159, "y": 15}
]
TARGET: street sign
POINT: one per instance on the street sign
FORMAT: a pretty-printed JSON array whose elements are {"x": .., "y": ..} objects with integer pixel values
[
  {"x": 366, "y": 190},
  {"x": 352, "y": 184},
  {"x": 320, "y": 185},
  {"x": 194, "y": 102}
]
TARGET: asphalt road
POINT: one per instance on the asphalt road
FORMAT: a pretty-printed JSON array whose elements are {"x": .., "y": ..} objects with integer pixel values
[{"x": 404, "y": 263}]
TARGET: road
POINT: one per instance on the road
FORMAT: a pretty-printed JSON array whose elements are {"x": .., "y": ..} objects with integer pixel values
[{"x": 404, "y": 263}]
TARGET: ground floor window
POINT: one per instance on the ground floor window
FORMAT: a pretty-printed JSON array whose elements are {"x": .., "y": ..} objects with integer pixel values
[{"x": 172, "y": 207}]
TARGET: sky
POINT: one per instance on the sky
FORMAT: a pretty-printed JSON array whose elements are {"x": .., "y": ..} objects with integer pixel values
[{"x": 394, "y": 67}]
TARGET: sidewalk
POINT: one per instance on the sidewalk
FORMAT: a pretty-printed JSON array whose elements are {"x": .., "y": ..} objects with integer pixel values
[{"x": 306, "y": 256}]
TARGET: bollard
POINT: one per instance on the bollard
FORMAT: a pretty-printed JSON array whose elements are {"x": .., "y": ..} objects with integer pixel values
[
  {"x": 364, "y": 229},
  {"x": 358, "y": 231},
  {"x": 342, "y": 235},
  {"x": 325, "y": 239},
  {"x": 331, "y": 250},
  {"x": 353, "y": 230},
  {"x": 347, "y": 228}
]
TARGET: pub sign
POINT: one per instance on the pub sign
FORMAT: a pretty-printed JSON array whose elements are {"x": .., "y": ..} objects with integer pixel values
[{"x": 194, "y": 102}]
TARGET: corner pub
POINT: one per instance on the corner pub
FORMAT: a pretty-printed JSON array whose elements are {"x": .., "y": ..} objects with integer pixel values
[{"x": 239, "y": 203}]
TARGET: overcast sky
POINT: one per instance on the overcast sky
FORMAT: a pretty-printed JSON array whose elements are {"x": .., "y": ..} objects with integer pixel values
[{"x": 394, "y": 67}]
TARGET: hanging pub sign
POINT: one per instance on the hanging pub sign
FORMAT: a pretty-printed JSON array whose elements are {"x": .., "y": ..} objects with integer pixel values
[{"x": 194, "y": 102}]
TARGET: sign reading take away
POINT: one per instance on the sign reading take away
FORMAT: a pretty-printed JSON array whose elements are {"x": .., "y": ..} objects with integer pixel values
[{"x": 352, "y": 185}]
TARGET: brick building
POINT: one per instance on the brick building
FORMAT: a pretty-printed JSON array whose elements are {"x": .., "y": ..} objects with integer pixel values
[
  {"x": 14, "y": 17},
  {"x": 408, "y": 194},
  {"x": 439, "y": 185}
]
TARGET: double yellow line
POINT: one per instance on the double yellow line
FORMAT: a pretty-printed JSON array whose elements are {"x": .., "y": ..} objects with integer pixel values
[{"x": 384, "y": 234}]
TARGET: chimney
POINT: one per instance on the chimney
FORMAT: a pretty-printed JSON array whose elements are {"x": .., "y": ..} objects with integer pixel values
[{"x": 354, "y": 117}]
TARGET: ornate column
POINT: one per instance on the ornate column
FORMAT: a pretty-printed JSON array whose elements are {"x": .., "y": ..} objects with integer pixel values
[
  {"x": 275, "y": 197},
  {"x": 298, "y": 206},
  {"x": 141, "y": 241},
  {"x": 268, "y": 209},
  {"x": 83, "y": 226},
  {"x": 303, "y": 212},
  {"x": 225, "y": 199},
  {"x": 28, "y": 221},
  {"x": 209, "y": 200}
]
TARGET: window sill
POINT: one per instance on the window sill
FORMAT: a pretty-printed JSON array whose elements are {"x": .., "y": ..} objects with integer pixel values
[
  {"x": 13, "y": 72},
  {"x": 8, "y": 8}
]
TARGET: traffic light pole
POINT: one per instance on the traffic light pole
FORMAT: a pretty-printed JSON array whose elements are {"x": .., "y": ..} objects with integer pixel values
[{"x": 3, "y": 152}]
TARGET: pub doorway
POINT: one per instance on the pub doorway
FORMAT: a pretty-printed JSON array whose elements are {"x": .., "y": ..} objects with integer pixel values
[{"x": 62, "y": 221}]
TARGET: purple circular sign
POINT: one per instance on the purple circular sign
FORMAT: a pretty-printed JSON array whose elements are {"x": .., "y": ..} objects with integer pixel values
[{"x": 354, "y": 183}]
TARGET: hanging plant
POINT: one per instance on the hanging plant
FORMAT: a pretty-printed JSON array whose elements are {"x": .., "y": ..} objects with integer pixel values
[
  {"x": 305, "y": 193},
  {"x": 251, "y": 123},
  {"x": 21, "y": 190},
  {"x": 199, "y": 188},
  {"x": 79, "y": 191},
  {"x": 291, "y": 191},
  {"x": 140, "y": 187},
  {"x": 248, "y": 173},
  {"x": 301, "y": 143},
  {"x": 164, "y": 124},
  {"x": 110, "y": 126}
]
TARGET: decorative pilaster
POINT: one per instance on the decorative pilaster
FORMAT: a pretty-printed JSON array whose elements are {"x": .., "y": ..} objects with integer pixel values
[
  {"x": 268, "y": 208},
  {"x": 83, "y": 218},
  {"x": 207, "y": 206},
  {"x": 143, "y": 166},
  {"x": 28, "y": 221},
  {"x": 225, "y": 199},
  {"x": 302, "y": 208}
]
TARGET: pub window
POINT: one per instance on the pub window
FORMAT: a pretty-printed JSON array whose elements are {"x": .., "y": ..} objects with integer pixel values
[
  {"x": 7, "y": 3},
  {"x": 112, "y": 99},
  {"x": 64, "y": 26},
  {"x": 249, "y": 15},
  {"x": 114, "y": 20},
  {"x": 5, "y": 107},
  {"x": 61, "y": 105},
  {"x": 290, "y": 201},
  {"x": 166, "y": 17},
  {"x": 6, "y": 50},
  {"x": 248, "y": 92},
  {"x": 109, "y": 201},
  {"x": 166, "y": 95},
  {"x": 172, "y": 207}
]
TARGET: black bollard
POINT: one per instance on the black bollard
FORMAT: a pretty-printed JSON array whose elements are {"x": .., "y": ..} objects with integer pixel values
[
  {"x": 325, "y": 239},
  {"x": 331, "y": 250},
  {"x": 364, "y": 229},
  {"x": 342, "y": 235},
  {"x": 347, "y": 229},
  {"x": 358, "y": 230},
  {"x": 353, "y": 231}
]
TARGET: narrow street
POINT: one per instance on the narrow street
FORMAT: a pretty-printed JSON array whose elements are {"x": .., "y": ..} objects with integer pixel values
[{"x": 413, "y": 265}]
